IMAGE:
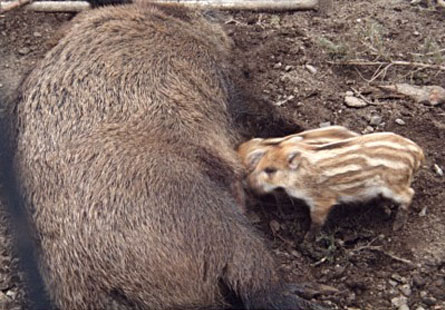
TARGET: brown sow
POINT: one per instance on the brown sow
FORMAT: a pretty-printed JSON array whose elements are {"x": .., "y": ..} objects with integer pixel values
[
  {"x": 125, "y": 151},
  {"x": 356, "y": 169}
]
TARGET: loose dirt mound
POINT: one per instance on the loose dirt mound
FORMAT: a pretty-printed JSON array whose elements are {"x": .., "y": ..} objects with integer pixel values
[{"x": 298, "y": 61}]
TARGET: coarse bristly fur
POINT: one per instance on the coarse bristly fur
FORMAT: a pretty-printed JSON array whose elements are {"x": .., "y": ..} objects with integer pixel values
[
  {"x": 356, "y": 169},
  {"x": 125, "y": 152}
]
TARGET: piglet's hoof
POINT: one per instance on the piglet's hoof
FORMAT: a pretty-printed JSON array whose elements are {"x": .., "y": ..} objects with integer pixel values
[{"x": 401, "y": 218}]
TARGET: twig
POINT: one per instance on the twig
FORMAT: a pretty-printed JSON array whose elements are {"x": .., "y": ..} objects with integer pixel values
[
  {"x": 10, "y": 5},
  {"x": 430, "y": 53},
  {"x": 378, "y": 248},
  {"x": 357, "y": 93},
  {"x": 254, "y": 5},
  {"x": 384, "y": 70},
  {"x": 359, "y": 62}
]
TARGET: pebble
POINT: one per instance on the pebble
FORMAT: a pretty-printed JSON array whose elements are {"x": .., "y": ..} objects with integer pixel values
[
  {"x": 1, "y": 85},
  {"x": 403, "y": 307},
  {"x": 24, "y": 51},
  {"x": 324, "y": 124},
  {"x": 288, "y": 68},
  {"x": 438, "y": 170},
  {"x": 398, "y": 278},
  {"x": 375, "y": 120},
  {"x": 12, "y": 293},
  {"x": 311, "y": 69},
  {"x": 392, "y": 282},
  {"x": 281, "y": 102},
  {"x": 418, "y": 281},
  {"x": 354, "y": 102},
  {"x": 405, "y": 289},
  {"x": 420, "y": 308},
  {"x": 399, "y": 301},
  {"x": 400, "y": 121},
  {"x": 37, "y": 34},
  {"x": 430, "y": 301},
  {"x": 278, "y": 65},
  {"x": 422, "y": 212}
]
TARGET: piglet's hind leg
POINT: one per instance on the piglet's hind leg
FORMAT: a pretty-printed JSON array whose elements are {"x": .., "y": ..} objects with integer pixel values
[{"x": 404, "y": 199}]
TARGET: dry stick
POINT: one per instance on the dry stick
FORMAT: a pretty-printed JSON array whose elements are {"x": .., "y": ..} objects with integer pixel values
[
  {"x": 357, "y": 93},
  {"x": 254, "y": 5},
  {"x": 10, "y": 5},
  {"x": 378, "y": 248},
  {"x": 380, "y": 63}
]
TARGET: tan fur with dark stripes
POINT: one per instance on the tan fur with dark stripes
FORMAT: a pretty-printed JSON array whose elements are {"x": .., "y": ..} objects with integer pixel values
[{"x": 351, "y": 170}]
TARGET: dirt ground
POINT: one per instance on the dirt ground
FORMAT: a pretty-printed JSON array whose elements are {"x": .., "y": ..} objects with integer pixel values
[{"x": 298, "y": 61}]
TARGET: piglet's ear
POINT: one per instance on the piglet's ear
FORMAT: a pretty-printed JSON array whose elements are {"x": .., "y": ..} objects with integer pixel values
[
  {"x": 253, "y": 158},
  {"x": 294, "y": 159}
]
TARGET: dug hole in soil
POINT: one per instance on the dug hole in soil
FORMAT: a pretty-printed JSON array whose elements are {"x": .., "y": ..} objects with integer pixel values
[{"x": 297, "y": 61}]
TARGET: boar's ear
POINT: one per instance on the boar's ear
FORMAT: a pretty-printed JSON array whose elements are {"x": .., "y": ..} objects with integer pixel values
[
  {"x": 294, "y": 158},
  {"x": 253, "y": 158}
]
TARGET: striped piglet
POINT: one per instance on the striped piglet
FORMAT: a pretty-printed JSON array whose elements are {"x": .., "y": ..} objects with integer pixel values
[{"x": 355, "y": 169}]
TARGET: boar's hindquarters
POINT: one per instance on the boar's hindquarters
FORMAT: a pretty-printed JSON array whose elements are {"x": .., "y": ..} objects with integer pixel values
[{"x": 153, "y": 228}]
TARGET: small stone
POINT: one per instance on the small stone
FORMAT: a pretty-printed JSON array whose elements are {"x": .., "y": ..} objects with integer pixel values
[
  {"x": 354, "y": 102},
  {"x": 311, "y": 69},
  {"x": 416, "y": 33},
  {"x": 278, "y": 65},
  {"x": 420, "y": 308},
  {"x": 349, "y": 93},
  {"x": 429, "y": 301},
  {"x": 422, "y": 212},
  {"x": 37, "y": 34},
  {"x": 398, "y": 278},
  {"x": 399, "y": 301},
  {"x": 403, "y": 307},
  {"x": 1, "y": 85},
  {"x": 400, "y": 121},
  {"x": 11, "y": 293},
  {"x": 24, "y": 51},
  {"x": 405, "y": 289},
  {"x": 375, "y": 120},
  {"x": 324, "y": 124},
  {"x": 423, "y": 294},
  {"x": 392, "y": 282},
  {"x": 288, "y": 68},
  {"x": 438, "y": 170},
  {"x": 418, "y": 281}
]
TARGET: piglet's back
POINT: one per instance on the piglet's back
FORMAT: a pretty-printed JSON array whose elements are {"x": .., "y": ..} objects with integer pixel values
[{"x": 385, "y": 149}]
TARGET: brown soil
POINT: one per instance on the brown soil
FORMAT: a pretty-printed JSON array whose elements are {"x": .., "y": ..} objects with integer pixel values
[{"x": 359, "y": 255}]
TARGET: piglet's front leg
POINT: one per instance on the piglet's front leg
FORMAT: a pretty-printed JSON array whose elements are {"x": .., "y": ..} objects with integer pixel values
[
  {"x": 319, "y": 211},
  {"x": 404, "y": 197}
]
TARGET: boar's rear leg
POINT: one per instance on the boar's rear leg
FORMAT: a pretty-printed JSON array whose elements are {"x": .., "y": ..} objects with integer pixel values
[
  {"x": 404, "y": 199},
  {"x": 252, "y": 275}
]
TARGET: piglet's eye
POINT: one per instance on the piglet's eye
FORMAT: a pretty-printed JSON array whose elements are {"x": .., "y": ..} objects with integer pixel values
[{"x": 270, "y": 170}]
